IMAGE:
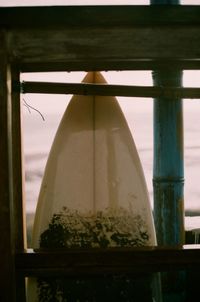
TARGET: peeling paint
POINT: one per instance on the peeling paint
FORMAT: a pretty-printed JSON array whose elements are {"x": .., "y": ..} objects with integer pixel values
[{"x": 168, "y": 176}]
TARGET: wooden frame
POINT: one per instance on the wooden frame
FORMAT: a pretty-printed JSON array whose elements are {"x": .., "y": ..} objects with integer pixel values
[
  {"x": 117, "y": 37},
  {"x": 80, "y": 38},
  {"x": 91, "y": 262}
]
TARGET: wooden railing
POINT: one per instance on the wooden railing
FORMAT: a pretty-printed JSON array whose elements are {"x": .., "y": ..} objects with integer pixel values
[
  {"x": 110, "y": 90},
  {"x": 70, "y": 262}
]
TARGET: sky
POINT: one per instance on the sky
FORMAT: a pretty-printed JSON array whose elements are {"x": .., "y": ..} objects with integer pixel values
[
  {"x": 83, "y": 2},
  {"x": 70, "y": 2}
]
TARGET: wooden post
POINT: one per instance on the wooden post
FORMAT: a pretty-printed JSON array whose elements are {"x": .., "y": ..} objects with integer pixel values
[
  {"x": 17, "y": 181},
  {"x": 7, "y": 282}
]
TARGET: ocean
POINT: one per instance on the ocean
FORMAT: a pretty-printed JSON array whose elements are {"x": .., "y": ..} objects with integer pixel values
[{"x": 38, "y": 135}]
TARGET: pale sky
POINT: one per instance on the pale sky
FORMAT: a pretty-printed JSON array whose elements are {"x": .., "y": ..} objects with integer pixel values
[
  {"x": 69, "y": 2},
  {"x": 83, "y": 2}
]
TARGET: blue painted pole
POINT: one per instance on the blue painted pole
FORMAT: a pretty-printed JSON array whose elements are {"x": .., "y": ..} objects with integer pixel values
[
  {"x": 168, "y": 174},
  {"x": 168, "y": 171},
  {"x": 165, "y": 2}
]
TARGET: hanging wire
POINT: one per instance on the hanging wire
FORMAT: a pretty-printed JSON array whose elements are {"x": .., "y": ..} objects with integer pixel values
[{"x": 29, "y": 107}]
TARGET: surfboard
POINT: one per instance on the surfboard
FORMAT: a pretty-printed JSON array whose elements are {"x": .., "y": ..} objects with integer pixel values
[{"x": 93, "y": 192}]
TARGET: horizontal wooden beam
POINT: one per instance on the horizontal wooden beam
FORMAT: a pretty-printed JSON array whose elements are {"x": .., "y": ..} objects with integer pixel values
[
  {"x": 87, "y": 15},
  {"x": 115, "y": 15},
  {"x": 71, "y": 262},
  {"x": 110, "y": 90},
  {"x": 103, "y": 37},
  {"x": 114, "y": 64},
  {"x": 104, "y": 44}
]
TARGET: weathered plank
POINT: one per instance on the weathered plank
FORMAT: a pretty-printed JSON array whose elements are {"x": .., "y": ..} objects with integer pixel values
[
  {"x": 110, "y": 90},
  {"x": 100, "y": 44},
  {"x": 7, "y": 284},
  {"x": 73, "y": 262},
  {"x": 103, "y": 38}
]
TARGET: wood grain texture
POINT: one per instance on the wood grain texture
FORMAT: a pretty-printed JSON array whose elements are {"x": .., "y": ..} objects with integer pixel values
[
  {"x": 103, "y": 38},
  {"x": 104, "y": 44}
]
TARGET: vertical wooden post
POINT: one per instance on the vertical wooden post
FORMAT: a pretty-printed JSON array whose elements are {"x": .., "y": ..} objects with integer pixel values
[
  {"x": 7, "y": 282},
  {"x": 17, "y": 171},
  {"x": 17, "y": 180}
]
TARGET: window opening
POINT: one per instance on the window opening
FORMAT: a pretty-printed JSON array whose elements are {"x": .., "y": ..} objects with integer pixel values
[
  {"x": 79, "y": 218},
  {"x": 136, "y": 111},
  {"x": 38, "y": 135},
  {"x": 139, "y": 111}
]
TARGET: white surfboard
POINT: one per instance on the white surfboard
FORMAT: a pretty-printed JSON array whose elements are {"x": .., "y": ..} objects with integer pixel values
[{"x": 93, "y": 181}]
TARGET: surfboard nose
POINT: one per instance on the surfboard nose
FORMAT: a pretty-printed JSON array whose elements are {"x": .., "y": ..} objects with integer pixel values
[{"x": 94, "y": 77}]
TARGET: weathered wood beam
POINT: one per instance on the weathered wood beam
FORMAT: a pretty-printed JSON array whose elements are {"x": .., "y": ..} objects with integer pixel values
[
  {"x": 73, "y": 262},
  {"x": 102, "y": 45},
  {"x": 99, "y": 44},
  {"x": 110, "y": 90},
  {"x": 103, "y": 37}
]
